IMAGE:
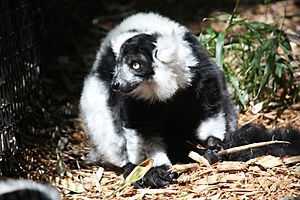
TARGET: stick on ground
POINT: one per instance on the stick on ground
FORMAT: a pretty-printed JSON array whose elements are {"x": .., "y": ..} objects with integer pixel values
[{"x": 250, "y": 146}]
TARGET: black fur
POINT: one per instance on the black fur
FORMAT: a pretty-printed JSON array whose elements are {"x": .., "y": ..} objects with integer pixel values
[
  {"x": 156, "y": 177},
  {"x": 252, "y": 133},
  {"x": 11, "y": 189},
  {"x": 106, "y": 66},
  {"x": 170, "y": 119},
  {"x": 139, "y": 49},
  {"x": 25, "y": 194}
]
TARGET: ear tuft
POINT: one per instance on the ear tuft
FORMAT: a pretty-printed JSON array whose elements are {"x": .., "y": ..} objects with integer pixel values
[{"x": 167, "y": 45}]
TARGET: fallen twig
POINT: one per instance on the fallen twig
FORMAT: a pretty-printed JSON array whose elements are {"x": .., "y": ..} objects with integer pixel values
[
  {"x": 250, "y": 146},
  {"x": 199, "y": 159}
]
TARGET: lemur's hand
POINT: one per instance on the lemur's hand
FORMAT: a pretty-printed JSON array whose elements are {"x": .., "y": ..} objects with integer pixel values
[
  {"x": 213, "y": 145},
  {"x": 156, "y": 177}
]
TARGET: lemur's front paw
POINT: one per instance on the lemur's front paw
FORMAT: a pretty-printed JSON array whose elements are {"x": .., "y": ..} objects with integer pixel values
[
  {"x": 214, "y": 143},
  {"x": 156, "y": 177},
  {"x": 212, "y": 156}
]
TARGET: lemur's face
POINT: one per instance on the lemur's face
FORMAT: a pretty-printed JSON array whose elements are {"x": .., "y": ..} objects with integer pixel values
[{"x": 134, "y": 63}]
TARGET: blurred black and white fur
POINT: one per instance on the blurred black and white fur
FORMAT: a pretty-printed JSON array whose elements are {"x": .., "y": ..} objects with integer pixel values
[
  {"x": 11, "y": 189},
  {"x": 152, "y": 90}
]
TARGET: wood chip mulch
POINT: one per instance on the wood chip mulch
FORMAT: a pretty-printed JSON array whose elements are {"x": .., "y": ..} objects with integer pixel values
[{"x": 65, "y": 166}]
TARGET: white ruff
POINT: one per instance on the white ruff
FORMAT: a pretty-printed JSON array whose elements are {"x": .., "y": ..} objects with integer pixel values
[
  {"x": 174, "y": 55},
  {"x": 213, "y": 126}
]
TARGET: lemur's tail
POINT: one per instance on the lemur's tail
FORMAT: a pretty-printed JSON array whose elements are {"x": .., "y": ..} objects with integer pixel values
[
  {"x": 26, "y": 190},
  {"x": 252, "y": 133}
]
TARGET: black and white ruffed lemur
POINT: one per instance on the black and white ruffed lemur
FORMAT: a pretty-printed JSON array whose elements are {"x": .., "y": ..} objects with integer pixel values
[{"x": 152, "y": 89}]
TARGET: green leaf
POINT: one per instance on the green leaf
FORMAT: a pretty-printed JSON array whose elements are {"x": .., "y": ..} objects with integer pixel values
[
  {"x": 235, "y": 83},
  {"x": 269, "y": 68},
  {"x": 137, "y": 173},
  {"x": 257, "y": 59},
  {"x": 267, "y": 1},
  {"x": 278, "y": 69},
  {"x": 219, "y": 49},
  {"x": 248, "y": 53},
  {"x": 285, "y": 45}
]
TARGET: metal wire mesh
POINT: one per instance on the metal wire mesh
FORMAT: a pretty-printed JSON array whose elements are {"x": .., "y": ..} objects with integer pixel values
[{"x": 19, "y": 67}]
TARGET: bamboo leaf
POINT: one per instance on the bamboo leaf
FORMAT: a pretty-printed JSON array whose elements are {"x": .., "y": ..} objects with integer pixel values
[
  {"x": 219, "y": 49},
  {"x": 278, "y": 69},
  {"x": 254, "y": 56},
  {"x": 235, "y": 84},
  {"x": 269, "y": 67},
  {"x": 137, "y": 173}
]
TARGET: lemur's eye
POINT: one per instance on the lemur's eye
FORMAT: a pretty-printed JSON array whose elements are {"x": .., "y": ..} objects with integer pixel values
[{"x": 136, "y": 66}]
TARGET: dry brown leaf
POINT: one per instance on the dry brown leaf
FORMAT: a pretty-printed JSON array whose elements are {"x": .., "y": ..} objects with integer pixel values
[
  {"x": 257, "y": 108},
  {"x": 78, "y": 136},
  {"x": 68, "y": 184}
]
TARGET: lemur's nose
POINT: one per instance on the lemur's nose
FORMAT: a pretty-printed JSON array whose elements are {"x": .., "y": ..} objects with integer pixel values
[{"x": 115, "y": 85}]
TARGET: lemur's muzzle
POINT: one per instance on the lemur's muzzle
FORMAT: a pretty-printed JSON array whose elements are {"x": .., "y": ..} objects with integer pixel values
[{"x": 120, "y": 84}]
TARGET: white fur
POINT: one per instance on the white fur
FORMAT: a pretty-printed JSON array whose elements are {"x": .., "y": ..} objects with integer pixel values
[
  {"x": 174, "y": 55},
  {"x": 160, "y": 158},
  {"x": 98, "y": 121},
  {"x": 147, "y": 23},
  {"x": 110, "y": 146},
  {"x": 135, "y": 146},
  {"x": 11, "y": 185},
  {"x": 162, "y": 87},
  {"x": 118, "y": 40},
  {"x": 213, "y": 126},
  {"x": 139, "y": 150},
  {"x": 155, "y": 148}
]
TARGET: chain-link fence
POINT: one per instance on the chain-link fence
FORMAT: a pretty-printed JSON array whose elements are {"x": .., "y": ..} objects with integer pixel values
[{"x": 19, "y": 68}]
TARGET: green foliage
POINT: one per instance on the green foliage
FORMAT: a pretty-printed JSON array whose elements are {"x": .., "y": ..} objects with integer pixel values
[{"x": 255, "y": 56}]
